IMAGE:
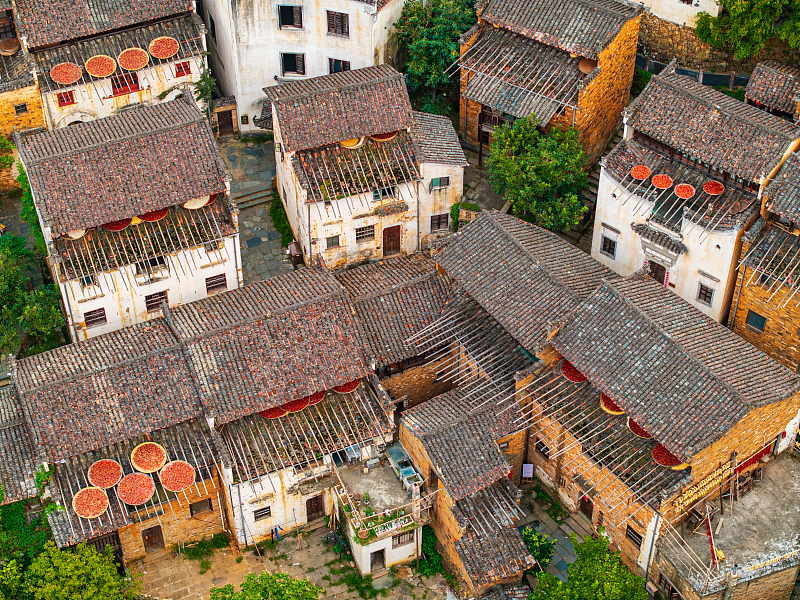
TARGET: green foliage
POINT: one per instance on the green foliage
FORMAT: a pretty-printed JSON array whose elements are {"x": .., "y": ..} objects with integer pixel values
[
  {"x": 239, "y": 559},
  {"x": 427, "y": 34},
  {"x": 28, "y": 212},
  {"x": 11, "y": 581},
  {"x": 368, "y": 511},
  {"x": 640, "y": 80},
  {"x": 356, "y": 583},
  {"x": 539, "y": 545},
  {"x": 597, "y": 574},
  {"x": 454, "y": 212},
  {"x": 204, "y": 87},
  {"x": 6, "y": 153},
  {"x": 82, "y": 574},
  {"x": 541, "y": 175},
  {"x": 431, "y": 562},
  {"x": 278, "y": 586},
  {"x": 744, "y": 26},
  {"x": 42, "y": 478},
  {"x": 366, "y": 497},
  {"x": 281, "y": 556},
  {"x": 280, "y": 221},
  {"x": 737, "y": 93},
  {"x": 205, "y": 566},
  {"x": 18, "y": 539},
  {"x": 552, "y": 506},
  {"x": 204, "y": 548}
]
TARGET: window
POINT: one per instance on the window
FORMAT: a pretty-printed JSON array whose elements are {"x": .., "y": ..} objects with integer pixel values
[
  {"x": 440, "y": 222},
  {"x": 633, "y": 536},
  {"x": 756, "y": 322},
  {"x": 293, "y": 64},
  {"x": 336, "y": 66},
  {"x": 599, "y": 518},
  {"x": 338, "y": 23},
  {"x": 705, "y": 294},
  {"x": 89, "y": 281},
  {"x": 262, "y": 513},
  {"x": 290, "y": 17},
  {"x": 93, "y": 318},
  {"x": 401, "y": 539},
  {"x": 124, "y": 84},
  {"x": 212, "y": 28},
  {"x": 542, "y": 449},
  {"x": 201, "y": 506},
  {"x": 66, "y": 98},
  {"x": 608, "y": 247},
  {"x": 378, "y": 195},
  {"x": 365, "y": 234},
  {"x": 439, "y": 182},
  {"x": 151, "y": 266},
  {"x": 21, "y": 109},
  {"x": 212, "y": 247},
  {"x": 153, "y": 301},
  {"x": 216, "y": 283},
  {"x": 183, "y": 68},
  {"x": 503, "y": 446},
  {"x": 332, "y": 242}
]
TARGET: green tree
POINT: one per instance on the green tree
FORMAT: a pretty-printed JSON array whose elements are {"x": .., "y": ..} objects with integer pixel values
[
  {"x": 597, "y": 574},
  {"x": 541, "y": 175},
  {"x": 427, "y": 35},
  {"x": 539, "y": 545},
  {"x": 11, "y": 581},
  {"x": 82, "y": 574},
  {"x": 744, "y": 26},
  {"x": 268, "y": 586},
  {"x": 29, "y": 214}
]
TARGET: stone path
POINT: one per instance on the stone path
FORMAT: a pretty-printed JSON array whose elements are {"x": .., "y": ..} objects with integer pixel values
[
  {"x": 165, "y": 576},
  {"x": 252, "y": 166},
  {"x": 477, "y": 187}
]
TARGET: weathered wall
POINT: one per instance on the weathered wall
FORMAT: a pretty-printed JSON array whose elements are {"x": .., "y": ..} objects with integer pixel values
[
  {"x": 514, "y": 449},
  {"x": 33, "y": 117},
  {"x": 680, "y": 12},
  {"x": 663, "y": 40},
  {"x": 182, "y": 527},
  {"x": 468, "y": 109},
  {"x": 417, "y": 383}
]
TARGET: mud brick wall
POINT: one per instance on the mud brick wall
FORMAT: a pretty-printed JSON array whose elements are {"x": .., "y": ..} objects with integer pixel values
[
  {"x": 418, "y": 383},
  {"x": 775, "y": 586},
  {"x": 9, "y": 119},
  {"x": 781, "y": 336},
  {"x": 514, "y": 448},
  {"x": 181, "y": 527},
  {"x": 468, "y": 109}
]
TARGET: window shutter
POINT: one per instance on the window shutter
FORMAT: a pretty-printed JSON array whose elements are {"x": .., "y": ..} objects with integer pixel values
[
  {"x": 346, "y": 25},
  {"x": 331, "y": 22},
  {"x": 337, "y": 22},
  {"x": 301, "y": 64},
  {"x": 331, "y": 66},
  {"x": 345, "y": 65},
  {"x": 297, "y": 13}
]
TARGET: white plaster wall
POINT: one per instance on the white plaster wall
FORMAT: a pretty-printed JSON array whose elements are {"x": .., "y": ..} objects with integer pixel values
[
  {"x": 437, "y": 201},
  {"x": 96, "y": 100},
  {"x": 252, "y": 27},
  {"x": 362, "y": 554},
  {"x": 680, "y": 13},
  {"x": 714, "y": 254},
  {"x": 645, "y": 554},
  {"x": 125, "y": 305},
  {"x": 791, "y": 434}
]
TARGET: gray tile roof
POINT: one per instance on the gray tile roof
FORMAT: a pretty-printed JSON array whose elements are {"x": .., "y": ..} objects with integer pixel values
[
  {"x": 17, "y": 453},
  {"x": 436, "y": 141},
  {"x": 774, "y": 85},
  {"x": 522, "y": 275},
  {"x": 773, "y": 254},
  {"x": 678, "y": 373},
  {"x": 783, "y": 192},
  {"x": 659, "y": 238},
  {"x": 50, "y": 23},
  {"x": 16, "y": 72},
  {"x": 710, "y": 126},
  {"x": 271, "y": 342},
  {"x": 583, "y": 27},
  {"x": 394, "y": 299},
  {"x": 121, "y": 166},
  {"x": 325, "y": 110}
]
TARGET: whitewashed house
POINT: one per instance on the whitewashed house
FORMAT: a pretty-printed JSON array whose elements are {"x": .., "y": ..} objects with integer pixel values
[
  {"x": 135, "y": 211},
  {"x": 92, "y": 67},
  {"x": 362, "y": 175},
  {"x": 253, "y": 43},
  {"x": 682, "y": 12},
  {"x": 678, "y": 192}
]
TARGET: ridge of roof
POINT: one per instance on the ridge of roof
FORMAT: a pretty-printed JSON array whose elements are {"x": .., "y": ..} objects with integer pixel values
[{"x": 278, "y": 99}]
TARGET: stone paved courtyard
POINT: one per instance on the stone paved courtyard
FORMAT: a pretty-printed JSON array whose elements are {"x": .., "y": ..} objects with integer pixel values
[{"x": 165, "y": 576}]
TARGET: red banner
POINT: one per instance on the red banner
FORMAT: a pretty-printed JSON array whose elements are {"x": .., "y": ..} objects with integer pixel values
[{"x": 714, "y": 562}]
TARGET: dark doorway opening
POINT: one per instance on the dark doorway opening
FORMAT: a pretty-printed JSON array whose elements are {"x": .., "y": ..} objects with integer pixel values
[
  {"x": 659, "y": 272},
  {"x": 391, "y": 240},
  {"x": 153, "y": 539},
  {"x": 315, "y": 508},
  {"x": 587, "y": 507},
  {"x": 377, "y": 561},
  {"x": 225, "y": 120}
]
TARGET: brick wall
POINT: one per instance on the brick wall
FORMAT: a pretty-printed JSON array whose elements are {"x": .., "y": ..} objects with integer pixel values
[
  {"x": 781, "y": 336},
  {"x": 467, "y": 107},
  {"x": 417, "y": 383},
  {"x": 181, "y": 527},
  {"x": 34, "y": 117},
  {"x": 776, "y": 586},
  {"x": 515, "y": 453}
]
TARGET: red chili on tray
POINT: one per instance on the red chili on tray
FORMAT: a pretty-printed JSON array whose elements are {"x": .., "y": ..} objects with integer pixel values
[
  {"x": 315, "y": 398},
  {"x": 105, "y": 473},
  {"x": 66, "y": 73},
  {"x": 571, "y": 373},
  {"x": 136, "y": 489},
  {"x": 133, "y": 59},
  {"x": 148, "y": 457},
  {"x": 163, "y": 47},
  {"x": 274, "y": 413},
  {"x": 664, "y": 457},
  {"x": 177, "y": 476},
  {"x": 713, "y": 188},
  {"x": 684, "y": 190},
  {"x": 662, "y": 181},
  {"x": 155, "y": 215},
  {"x": 100, "y": 65},
  {"x": 640, "y": 172},
  {"x": 116, "y": 225},
  {"x": 295, "y": 405},
  {"x": 347, "y": 387},
  {"x": 90, "y": 502},
  {"x": 638, "y": 430},
  {"x": 608, "y": 405}
]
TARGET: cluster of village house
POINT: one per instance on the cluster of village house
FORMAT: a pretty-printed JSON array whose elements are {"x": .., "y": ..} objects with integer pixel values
[{"x": 424, "y": 385}]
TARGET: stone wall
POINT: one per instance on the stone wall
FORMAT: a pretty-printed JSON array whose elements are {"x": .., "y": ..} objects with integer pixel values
[{"x": 663, "y": 40}]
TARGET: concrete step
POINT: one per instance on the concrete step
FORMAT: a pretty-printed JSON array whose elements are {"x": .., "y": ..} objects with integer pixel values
[
  {"x": 254, "y": 198},
  {"x": 258, "y": 187}
]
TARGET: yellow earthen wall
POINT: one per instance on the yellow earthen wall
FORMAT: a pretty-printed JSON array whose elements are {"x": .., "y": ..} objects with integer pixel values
[
  {"x": 33, "y": 118},
  {"x": 418, "y": 383}
]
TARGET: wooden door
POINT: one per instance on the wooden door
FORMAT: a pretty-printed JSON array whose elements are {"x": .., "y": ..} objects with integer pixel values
[
  {"x": 587, "y": 507},
  {"x": 153, "y": 539},
  {"x": 391, "y": 240},
  {"x": 225, "y": 119},
  {"x": 315, "y": 508},
  {"x": 659, "y": 272}
]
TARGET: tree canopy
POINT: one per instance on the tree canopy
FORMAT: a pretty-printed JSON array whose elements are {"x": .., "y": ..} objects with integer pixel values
[
  {"x": 541, "y": 175},
  {"x": 427, "y": 35},
  {"x": 597, "y": 574},
  {"x": 268, "y": 586},
  {"x": 744, "y": 26}
]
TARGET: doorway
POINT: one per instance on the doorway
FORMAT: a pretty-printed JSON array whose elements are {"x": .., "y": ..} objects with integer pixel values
[
  {"x": 225, "y": 119},
  {"x": 391, "y": 240},
  {"x": 315, "y": 508},
  {"x": 153, "y": 539},
  {"x": 587, "y": 507},
  {"x": 659, "y": 272},
  {"x": 377, "y": 561}
]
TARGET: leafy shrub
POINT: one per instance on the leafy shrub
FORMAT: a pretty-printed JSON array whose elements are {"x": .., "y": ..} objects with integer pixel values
[
  {"x": 431, "y": 562},
  {"x": 539, "y": 545},
  {"x": 280, "y": 220},
  {"x": 640, "y": 80},
  {"x": 454, "y": 212}
]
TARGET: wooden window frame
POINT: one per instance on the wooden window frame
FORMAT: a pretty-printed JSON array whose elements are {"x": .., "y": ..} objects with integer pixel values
[
  {"x": 153, "y": 301},
  {"x": 193, "y": 511},
  {"x": 216, "y": 283},
  {"x": 297, "y": 17},
  {"x": 66, "y": 98},
  {"x": 261, "y": 514},
  {"x": 634, "y": 536},
  {"x": 329, "y": 245},
  {"x": 403, "y": 539},
  {"x": 21, "y": 109},
  {"x": 344, "y": 64},
  {"x": 338, "y": 23},
  {"x": 440, "y": 222},
  {"x": 438, "y": 183},
  {"x": 92, "y": 318},
  {"x": 365, "y": 234},
  {"x": 608, "y": 242},
  {"x": 183, "y": 68},
  {"x": 752, "y": 327},
  {"x": 300, "y": 64},
  {"x": 704, "y": 291},
  {"x": 131, "y": 81}
]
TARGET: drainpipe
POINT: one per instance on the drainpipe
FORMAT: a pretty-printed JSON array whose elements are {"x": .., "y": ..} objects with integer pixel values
[
  {"x": 652, "y": 543},
  {"x": 417, "y": 215},
  {"x": 736, "y": 306},
  {"x": 70, "y": 318},
  {"x": 308, "y": 228},
  {"x": 241, "y": 514}
]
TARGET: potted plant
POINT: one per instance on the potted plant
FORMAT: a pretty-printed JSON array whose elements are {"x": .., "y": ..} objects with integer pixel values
[{"x": 366, "y": 497}]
